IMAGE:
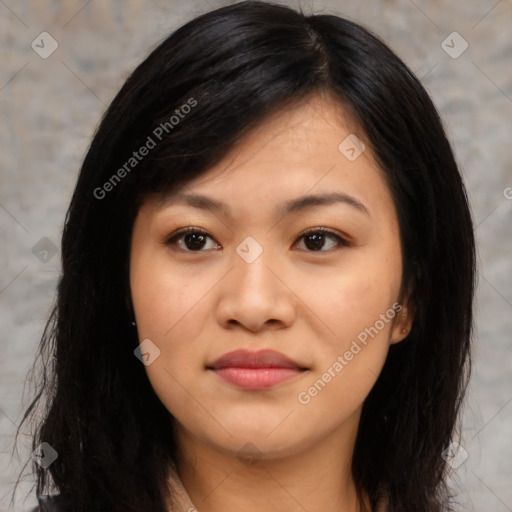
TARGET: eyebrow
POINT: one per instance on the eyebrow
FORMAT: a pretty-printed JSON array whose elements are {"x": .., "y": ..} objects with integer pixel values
[{"x": 308, "y": 201}]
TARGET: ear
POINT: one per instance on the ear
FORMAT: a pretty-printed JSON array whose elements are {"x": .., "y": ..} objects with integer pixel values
[{"x": 403, "y": 324}]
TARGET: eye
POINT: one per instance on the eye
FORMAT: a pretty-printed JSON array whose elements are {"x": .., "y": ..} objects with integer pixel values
[
  {"x": 314, "y": 239},
  {"x": 195, "y": 240}
]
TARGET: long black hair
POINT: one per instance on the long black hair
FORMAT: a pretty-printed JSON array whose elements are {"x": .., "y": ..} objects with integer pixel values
[{"x": 205, "y": 86}]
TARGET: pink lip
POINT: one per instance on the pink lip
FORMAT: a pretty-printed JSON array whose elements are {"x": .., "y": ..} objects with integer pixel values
[{"x": 255, "y": 370}]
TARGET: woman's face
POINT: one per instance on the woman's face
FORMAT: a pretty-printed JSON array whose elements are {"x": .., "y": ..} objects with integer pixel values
[{"x": 253, "y": 280}]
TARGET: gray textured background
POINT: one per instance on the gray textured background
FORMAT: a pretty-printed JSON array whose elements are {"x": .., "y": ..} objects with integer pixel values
[{"x": 50, "y": 108}]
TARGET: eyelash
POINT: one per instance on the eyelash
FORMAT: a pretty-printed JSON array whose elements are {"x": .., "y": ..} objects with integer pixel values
[{"x": 185, "y": 231}]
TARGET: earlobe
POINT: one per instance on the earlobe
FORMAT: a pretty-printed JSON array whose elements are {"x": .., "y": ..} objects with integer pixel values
[{"x": 402, "y": 326}]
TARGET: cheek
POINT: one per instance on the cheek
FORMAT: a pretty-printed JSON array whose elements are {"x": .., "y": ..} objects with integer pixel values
[
  {"x": 354, "y": 299},
  {"x": 166, "y": 305},
  {"x": 357, "y": 306},
  {"x": 348, "y": 362},
  {"x": 165, "y": 299}
]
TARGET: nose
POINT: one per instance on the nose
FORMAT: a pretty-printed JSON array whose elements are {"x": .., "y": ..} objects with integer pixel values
[{"x": 254, "y": 295}]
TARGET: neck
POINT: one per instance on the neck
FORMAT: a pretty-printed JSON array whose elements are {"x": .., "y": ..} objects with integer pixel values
[{"x": 316, "y": 479}]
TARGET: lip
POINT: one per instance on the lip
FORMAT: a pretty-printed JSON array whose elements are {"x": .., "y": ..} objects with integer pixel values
[{"x": 255, "y": 371}]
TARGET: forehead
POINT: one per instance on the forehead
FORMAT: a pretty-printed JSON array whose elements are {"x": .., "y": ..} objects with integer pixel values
[{"x": 296, "y": 151}]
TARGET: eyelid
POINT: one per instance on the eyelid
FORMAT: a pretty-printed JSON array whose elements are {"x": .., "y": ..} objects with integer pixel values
[
  {"x": 183, "y": 231},
  {"x": 344, "y": 240}
]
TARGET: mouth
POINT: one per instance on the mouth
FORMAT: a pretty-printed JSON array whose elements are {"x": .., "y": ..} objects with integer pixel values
[{"x": 256, "y": 370}]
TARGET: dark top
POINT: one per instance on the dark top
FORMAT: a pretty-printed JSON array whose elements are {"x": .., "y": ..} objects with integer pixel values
[
  {"x": 49, "y": 504},
  {"x": 56, "y": 504}
]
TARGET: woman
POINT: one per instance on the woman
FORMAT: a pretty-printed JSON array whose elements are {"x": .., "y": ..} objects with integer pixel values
[{"x": 267, "y": 284}]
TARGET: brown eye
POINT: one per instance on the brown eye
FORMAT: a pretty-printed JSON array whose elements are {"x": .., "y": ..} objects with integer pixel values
[
  {"x": 196, "y": 240},
  {"x": 190, "y": 239},
  {"x": 316, "y": 239}
]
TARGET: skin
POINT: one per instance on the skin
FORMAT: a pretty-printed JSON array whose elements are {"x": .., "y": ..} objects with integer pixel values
[{"x": 196, "y": 305}]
